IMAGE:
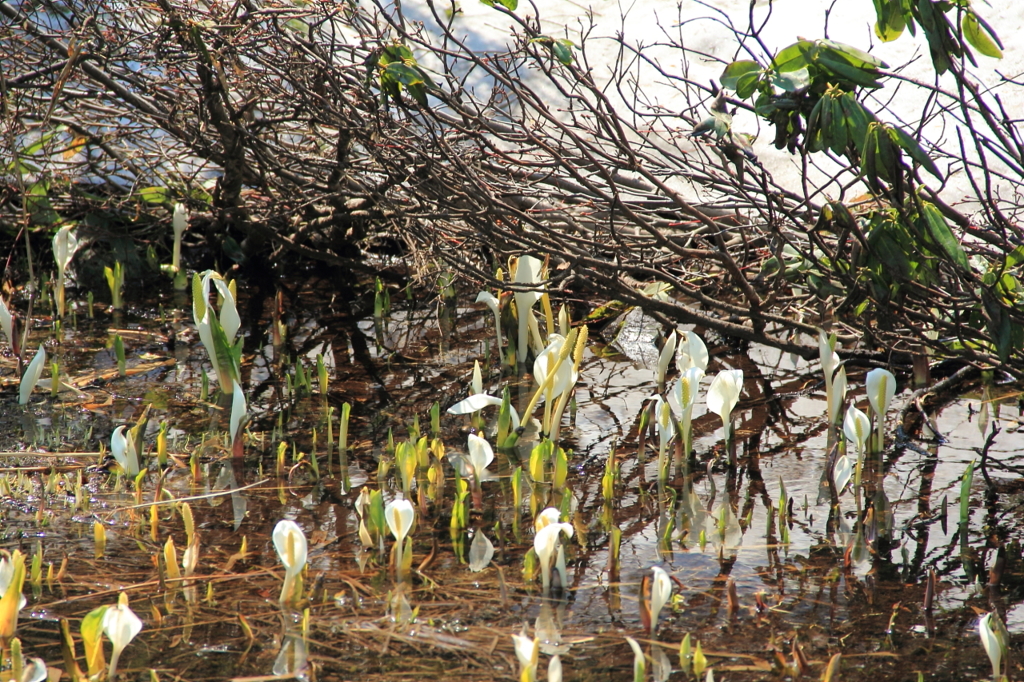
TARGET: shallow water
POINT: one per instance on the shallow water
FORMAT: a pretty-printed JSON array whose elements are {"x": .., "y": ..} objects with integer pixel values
[{"x": 810, "y": 590}]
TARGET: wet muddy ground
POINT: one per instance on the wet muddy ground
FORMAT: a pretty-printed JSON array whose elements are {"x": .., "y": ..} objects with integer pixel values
[{"x": 767, "y": 595}]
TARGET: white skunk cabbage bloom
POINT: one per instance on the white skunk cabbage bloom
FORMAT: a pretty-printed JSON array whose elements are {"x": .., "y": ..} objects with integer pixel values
[
  {"x": 682, "y": 398},
  {"x": 857, "y": 429},
  {"x": 31, "y": 376},
  {"x": 399, "y": 515},
  {"x": 661, "y": 592},
  {"x": 527, "y": 651},
  {"x": 65, "y": 243},
  {"x": 480, "y": 457},
  {"x": 527, "y": 273},
  {"x": 639, "y": 662},
  {"x": 565, "y": 378},
  {"x": 238, "y": 412},
  {"x": 123, "y": 449},
  {"x": 7, "y": 322},
  {"x": 120, "y": 625},
  {"x": 545, "y": 543},
  {"x": 994, "y": 640},
  {"x": 692, "y": 353},
  {"x": 494, "y": 303},
  {"x": 292, "y": 549},
  {"x": 229, "y": 321},
  {"x": 880, "y": 387},
  {"x": 667, "y": 352},
  {"x": 723, "y": 394},
  {"x": 6, "y": 576}
]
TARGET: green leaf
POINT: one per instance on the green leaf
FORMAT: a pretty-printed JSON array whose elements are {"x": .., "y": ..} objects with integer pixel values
[
  {"x": 943, "y": 236},
  {"x": 733, "y": 72},
  {"x": 406, "y": 75},
  {"x": 891, "y": 20},
  {"x": 794, "y": 56},
  {"x": 747, "y": 84},
  {"x": 791, "y": 81},
  {"x": 845, "y": 70},
  {"x": 510, "y": 5},
  {"x": 855, "y": 56},
  {"x": 916, "y": 152},
  {"x": 562, "y": 50},
  {"x": 154, "y": 195},
  {"x": 980, "y": 37}
]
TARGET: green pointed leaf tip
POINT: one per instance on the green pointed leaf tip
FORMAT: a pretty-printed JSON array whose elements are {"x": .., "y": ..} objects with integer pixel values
[
  {"x": 943, "y": 236},
  {"x": 980, "y": 36},
  {"x": 916, "y": 152},
  {"x": 732, "y": 74},
  {"x": 562, "y": 50},
  {"x": 793, "y": 57}
]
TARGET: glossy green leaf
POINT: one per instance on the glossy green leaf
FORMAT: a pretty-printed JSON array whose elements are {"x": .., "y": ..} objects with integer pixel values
[
  {"x": 747, "y": 84},
  {"x": 733, "y": 72},
  {"x": 890, "y": 20},
  {"x": 943, "y": 236},
  {"x": 562, "y": 50},
  {"x": 791, "y": 81},
  {"x": 510, "y": 5},
  {"x": 980, "y": 37},
  {"x": 916, "y": 152},
  {"x": 855, "y": 56},
  {"x": 794, "y": 56},
  {"x": 843, "y": 69}
]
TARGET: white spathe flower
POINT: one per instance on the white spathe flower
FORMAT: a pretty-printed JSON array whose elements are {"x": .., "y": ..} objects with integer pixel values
[
  {"x": 123, "y": 449},
  {"x": 31, "y": 376},
  {"x": 565, "y": 378},
  {"x": 661, "y": 592},
  {"x": 34, "y": 671},
  {"x": 238, "y": 412},
  {"x": 65, "y": 243},
  {"x": 7, "y": 322},
  {"x": 527, "y": 651},
  {"x": 292, "y": 549},
  {"x": 639, "y": 662},
  {"x": 667, "y": 352},
  {"x": 477, "y": 383},
  {"x": 179, "y": 223},
  {"x": 120, "y": 625},
  {"x": 229, "y": 320},
  {"x": 6, "y": 576},
  {"x": 554, "y": 669},
  {"x": 857, "y": 428},
  {"x": 399, "y": 515},
  {"x": 723, "y": 394},
  {"x": 494, "y": 304},
  {"x": 527, "y": 273},
  {"x": 682, "y": 398},
  {"x": 481, "y": 551},
  {"x": 830, "y": 364},
  {"x": 545, "y": 543},
  {"x": 692, "y": 353},
  {"x": 880, "y": 387},
  {"x": 993, "y": 639},
  {"x": 838, "y": 395},
  {"x": 842, "y": 472},
  {"x": 546, "y": 518},
  {"x": 480, "y": 456}
]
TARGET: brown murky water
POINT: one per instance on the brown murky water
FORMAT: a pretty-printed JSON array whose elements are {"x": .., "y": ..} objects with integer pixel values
[{"x": 798, "y": 600}]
